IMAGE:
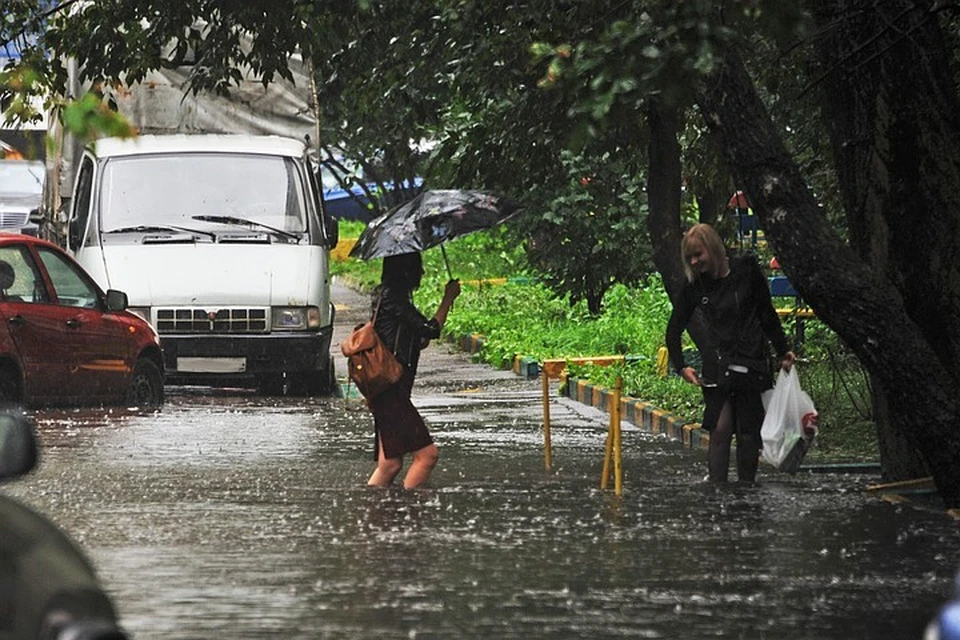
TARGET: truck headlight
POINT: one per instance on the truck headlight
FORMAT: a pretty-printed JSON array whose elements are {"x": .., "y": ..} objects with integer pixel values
[{"x": 295, "y": 318}]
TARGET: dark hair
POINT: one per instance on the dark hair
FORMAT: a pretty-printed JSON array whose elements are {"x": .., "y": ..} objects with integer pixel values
[{"x": 402, "y": 272}]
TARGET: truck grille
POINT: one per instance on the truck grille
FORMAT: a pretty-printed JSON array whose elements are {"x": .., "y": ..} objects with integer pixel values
[
  {"x": 13, "y": 218},
  {"x": 212, "y": 321}
]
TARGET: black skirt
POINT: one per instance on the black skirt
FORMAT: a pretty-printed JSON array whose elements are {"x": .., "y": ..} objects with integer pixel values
[{"x": 398, "y": 426}]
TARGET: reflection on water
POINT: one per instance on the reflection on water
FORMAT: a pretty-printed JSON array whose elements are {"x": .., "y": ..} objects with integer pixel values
[{"x": 231, "y": 517}]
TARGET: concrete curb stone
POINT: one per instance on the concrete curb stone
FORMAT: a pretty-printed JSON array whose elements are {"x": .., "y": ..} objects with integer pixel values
[{"x": 643, "y": 415}]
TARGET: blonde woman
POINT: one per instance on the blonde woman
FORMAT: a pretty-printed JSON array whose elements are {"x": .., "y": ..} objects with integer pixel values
[{"x": 733, "y": 296}]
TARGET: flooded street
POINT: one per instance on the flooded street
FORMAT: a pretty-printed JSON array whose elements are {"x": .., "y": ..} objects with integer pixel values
[{"x": 231, "y": 515}]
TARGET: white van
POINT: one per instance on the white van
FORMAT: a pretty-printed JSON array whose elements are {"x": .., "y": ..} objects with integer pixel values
[{"x": 222, "y": 243}]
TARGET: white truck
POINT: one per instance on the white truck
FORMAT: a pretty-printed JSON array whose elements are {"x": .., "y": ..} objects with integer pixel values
[{"x": 220, "y": 240}]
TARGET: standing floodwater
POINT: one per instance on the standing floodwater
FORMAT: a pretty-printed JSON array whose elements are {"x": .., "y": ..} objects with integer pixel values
[
  {"x": 235, "y": 517},
  {"x": 229, "y": 515}
]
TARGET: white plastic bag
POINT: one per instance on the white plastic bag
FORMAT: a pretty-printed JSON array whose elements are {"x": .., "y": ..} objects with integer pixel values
[{"x": 790, "y": 424}]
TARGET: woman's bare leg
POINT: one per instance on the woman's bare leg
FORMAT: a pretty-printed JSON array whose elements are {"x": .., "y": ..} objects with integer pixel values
[
  {"x": 387, "y": 469},
  {"x": 718, "y": 455},
  {"x": 424, "y": 460}
]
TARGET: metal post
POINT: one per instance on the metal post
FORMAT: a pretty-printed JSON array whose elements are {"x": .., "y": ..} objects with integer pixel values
[
  {"x": 548, "y": 457},
  {"x": 605, "y": 473},
  {"x": 615, "y": 428}
]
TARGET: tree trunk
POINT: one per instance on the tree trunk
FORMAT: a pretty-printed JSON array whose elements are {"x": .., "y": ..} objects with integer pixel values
[
  {"x": 899, "y": 459},
  {"x": 865, "y": 310},
  {"x": 893, "y": 115},
  {"x": 663, "y": 193},
  {"x": 663, "y": 199}
]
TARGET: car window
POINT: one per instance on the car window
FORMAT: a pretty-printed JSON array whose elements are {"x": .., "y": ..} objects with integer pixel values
[
  {"x": 73, "y": 289},
  {"x": 20, "y": 280}
]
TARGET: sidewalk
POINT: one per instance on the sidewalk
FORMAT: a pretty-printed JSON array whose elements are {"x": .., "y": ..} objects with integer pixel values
[{"x": 446, "y": 375}]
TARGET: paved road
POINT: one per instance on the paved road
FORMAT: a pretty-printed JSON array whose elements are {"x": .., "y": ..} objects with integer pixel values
[{"x": 228, "y": 515}]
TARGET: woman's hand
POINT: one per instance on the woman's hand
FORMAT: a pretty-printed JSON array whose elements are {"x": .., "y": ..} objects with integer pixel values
[
  {"x": 690, "y": 375},
  {"x": 452, "y": 290},
  {"x": 786, "y": 363},
  {"x": 450, "y": 293}
]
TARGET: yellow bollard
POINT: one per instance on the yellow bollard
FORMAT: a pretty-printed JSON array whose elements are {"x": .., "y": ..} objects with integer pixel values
[
  {"x": 548, "y": 457},
  {"x": 663, "y": 362},
  {"x": 617, "y": 452},
  {"x": 613, "y": 449},
  {"x": 605, "y": 473}
]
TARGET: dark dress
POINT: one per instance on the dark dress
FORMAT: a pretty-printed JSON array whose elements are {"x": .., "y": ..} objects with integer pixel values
[
  {"x": 740, "y": 319},
  {"x": 404, "y": 330}
]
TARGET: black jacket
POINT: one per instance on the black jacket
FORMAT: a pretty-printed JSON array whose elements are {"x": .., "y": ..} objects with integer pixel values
[
  {"x": 401, "y": 327},
  {"x": 739, "y": 315}
]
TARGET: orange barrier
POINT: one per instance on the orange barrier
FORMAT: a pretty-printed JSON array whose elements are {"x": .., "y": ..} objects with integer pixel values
[{"x": 555, "y": 369}]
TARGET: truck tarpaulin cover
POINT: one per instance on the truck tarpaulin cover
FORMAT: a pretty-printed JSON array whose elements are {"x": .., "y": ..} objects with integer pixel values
[{"x": 163, "y": 103}]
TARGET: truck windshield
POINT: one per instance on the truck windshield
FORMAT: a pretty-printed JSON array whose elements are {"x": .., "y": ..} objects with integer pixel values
[{"x": 176, "y": 189}]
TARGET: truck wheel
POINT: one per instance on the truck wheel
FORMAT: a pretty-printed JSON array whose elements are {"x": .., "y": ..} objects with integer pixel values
[
  {"x": 270, "y": 384},
  {"x": 314, "y": 383},
  {"x": 146, "y": 386}
]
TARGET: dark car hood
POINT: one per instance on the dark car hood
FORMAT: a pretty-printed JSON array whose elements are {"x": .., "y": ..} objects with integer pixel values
[{"x": 40, "y": 565}]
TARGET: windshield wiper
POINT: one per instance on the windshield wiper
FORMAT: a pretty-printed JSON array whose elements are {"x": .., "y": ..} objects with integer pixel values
[
  {"x": 247, "y": 223},
  {"x": 147, "y": 228}
]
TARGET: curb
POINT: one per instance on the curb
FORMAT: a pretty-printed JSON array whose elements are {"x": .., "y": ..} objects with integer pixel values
[{"x": 643, "y": 415}]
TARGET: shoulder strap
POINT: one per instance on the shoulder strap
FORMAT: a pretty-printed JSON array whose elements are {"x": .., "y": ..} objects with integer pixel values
[{"x": 373, "y": 321}]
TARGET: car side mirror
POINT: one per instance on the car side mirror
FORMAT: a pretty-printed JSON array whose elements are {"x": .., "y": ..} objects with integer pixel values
[
  {"x": 36, "y": 216},
  {"x": 18, "y": 444},
  {"x": 116, "y": 300}
]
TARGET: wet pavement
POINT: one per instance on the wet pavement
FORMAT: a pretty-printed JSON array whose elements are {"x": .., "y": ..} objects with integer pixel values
[{"x": 231, "y": 515}]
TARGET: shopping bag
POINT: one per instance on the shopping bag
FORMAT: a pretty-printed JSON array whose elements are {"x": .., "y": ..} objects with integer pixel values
[{"x": 790, "y": 424}]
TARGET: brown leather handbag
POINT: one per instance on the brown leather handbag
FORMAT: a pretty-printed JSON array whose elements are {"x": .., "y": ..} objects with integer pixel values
[{"x": 370, "y": 364}]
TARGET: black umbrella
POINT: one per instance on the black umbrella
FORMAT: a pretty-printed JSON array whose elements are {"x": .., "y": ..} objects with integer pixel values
[{"x": 430, "y": 219}]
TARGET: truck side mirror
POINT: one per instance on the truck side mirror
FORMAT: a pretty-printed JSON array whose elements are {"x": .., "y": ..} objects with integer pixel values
[
  {"x": 333, "y": 232},
  {"x": 74, "y": 235}
]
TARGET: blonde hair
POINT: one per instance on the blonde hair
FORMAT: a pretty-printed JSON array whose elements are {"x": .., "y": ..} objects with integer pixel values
[{"x": 703, "y": 235}]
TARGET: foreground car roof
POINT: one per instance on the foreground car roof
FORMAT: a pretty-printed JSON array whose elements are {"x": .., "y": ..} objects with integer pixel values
[
  {"x": 196, "y": 143},
  {"x": 18, "y": 238}
]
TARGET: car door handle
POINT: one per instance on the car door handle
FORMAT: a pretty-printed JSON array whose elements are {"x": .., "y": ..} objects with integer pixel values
[
  {"x": 73, "y": 323},
  {"x": 18, "y": 320}
]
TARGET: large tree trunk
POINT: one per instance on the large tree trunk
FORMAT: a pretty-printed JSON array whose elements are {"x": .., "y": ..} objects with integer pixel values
[
  {"x": 663, "y": 193},
  {"x": 862, "y": 306},
  {"x": 893, "y": 112},
  {"x": 663, "y": 200}
]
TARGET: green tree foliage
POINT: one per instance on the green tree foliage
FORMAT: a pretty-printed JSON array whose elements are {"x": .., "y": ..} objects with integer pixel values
[
  {"x": 591, "y": 233},
  {"x": 502, "y": 90}
]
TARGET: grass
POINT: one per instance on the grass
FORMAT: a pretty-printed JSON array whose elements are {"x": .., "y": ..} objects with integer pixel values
[{"x": 523, "y": 317}]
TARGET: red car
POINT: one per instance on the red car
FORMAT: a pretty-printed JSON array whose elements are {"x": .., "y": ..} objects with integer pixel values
[{"x": 63, "y": 341}]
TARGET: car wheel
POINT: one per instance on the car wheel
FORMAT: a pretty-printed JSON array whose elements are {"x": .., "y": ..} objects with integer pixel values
[
  {"x": 146, "y": 386},
  {"x": 9, "y": 385}
]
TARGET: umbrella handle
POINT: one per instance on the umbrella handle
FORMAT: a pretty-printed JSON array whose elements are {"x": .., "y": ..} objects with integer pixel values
[{"x": 445, "y": 261}]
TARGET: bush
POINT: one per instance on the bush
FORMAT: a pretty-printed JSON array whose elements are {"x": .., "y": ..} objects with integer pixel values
[{"x": 522, "y": 316}]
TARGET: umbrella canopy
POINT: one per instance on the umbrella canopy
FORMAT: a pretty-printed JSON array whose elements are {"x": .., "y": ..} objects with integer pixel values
[{"x": 430, "y": 219}]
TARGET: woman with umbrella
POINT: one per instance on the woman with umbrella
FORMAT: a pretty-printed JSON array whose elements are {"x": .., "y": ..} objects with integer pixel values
[{"x": 398, "y": 427}]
